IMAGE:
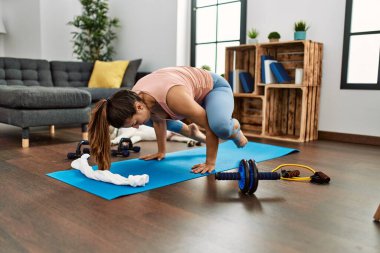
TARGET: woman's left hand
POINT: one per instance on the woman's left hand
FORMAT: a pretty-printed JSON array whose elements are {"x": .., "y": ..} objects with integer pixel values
[
  {"x": 203, "y": 168},
  {"x": 157, "y": 156}
]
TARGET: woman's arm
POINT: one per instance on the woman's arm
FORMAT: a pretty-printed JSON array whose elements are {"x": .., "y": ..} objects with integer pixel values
[
  {"x": 159, "y": 126},
  {"x": 160, "y": 129},
  {"x": 212, "y": 143},
  {"x": 181, "y": 103}
]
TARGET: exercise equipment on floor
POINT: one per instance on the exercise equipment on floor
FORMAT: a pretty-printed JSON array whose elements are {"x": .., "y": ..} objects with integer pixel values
[
  {"x": 79, "y": 151},
  {"x": 193, "y": 143},
  {"x": 318, "y": 177},
  {"x": 248, "y": 175},
  {"x": 175, "y": 168},
  {"x": 125, "y": 145}
]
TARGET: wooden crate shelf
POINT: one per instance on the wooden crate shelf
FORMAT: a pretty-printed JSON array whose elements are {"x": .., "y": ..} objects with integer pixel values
[
  {"x": 303, "y": 54},
  {"x": 240, "y": 58},
  {"x": 279, "y": 111},
  {"x": 249, "y": 112},
  {"x": 247, "y": 95}
]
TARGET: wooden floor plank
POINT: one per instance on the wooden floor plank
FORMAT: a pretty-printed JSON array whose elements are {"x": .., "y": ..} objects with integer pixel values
[{"x": 40, "y": 214}]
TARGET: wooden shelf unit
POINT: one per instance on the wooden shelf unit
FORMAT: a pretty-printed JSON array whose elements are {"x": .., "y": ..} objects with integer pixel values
[
  {"x": 249, "y": 112},
  {"x": 279, "y": 111}
]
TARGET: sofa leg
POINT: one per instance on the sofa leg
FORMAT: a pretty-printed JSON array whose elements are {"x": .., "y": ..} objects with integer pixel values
[
  {"x": 376, "y": 216},
  {"x": 25, "y": 137},
  {"x": 52, "y": 130},
  {"x": 84, "y": 132}
]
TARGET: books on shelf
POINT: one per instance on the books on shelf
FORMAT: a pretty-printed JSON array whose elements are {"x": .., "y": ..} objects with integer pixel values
[
  {"x": 247, "y": 82},
  {"x": 241, "y": 81},
  {"x": 269, "y": 77},
  {"x": 272, "y": 71},
  {"x": 280, "y": 73},
  {"x": 263, "y": 58},
  {"x": 234, "y": 80}
]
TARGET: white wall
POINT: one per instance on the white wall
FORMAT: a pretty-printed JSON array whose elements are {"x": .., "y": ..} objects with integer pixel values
[
  {"x": 22, "y": 19},
  {"x": 183, "y": 32},
  {"x": 55, "y": 32},
  {"x": 343, "y": 111},
  {"x": 37, "y": 29},
  {"x": 1, "y": 35},
  {"x": 148, "y": 31}
]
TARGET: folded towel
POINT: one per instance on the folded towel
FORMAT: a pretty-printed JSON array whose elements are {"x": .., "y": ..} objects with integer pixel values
[{"x": 107, "y": 176}]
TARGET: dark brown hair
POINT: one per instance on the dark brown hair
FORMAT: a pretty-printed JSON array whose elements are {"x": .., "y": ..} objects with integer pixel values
[{"x": 113, "y": 111}]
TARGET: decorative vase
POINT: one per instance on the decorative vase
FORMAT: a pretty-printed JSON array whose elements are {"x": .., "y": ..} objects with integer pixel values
[
  {"x": 300, "y": 35},
  {"x": 274, "y": 40},
  {"x": 252, "y": 41}
]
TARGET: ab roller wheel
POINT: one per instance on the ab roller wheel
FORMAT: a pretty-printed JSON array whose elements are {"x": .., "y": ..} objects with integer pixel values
[{"x": 247, "y": 176}]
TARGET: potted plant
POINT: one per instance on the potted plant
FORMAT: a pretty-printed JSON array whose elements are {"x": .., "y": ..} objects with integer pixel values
[
  {"x": 274, "y": 37},
  {"x": 94, "y": 32},
  {"x": 252, "y": 36},
  {"x": 300, "y": 29},
  {"x": 206, "y": 67}
]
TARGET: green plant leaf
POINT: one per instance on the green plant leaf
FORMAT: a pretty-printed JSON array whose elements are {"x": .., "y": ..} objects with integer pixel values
[
  {"x": 301, "y": 26},
  {"x": 95, "y": 32},
  {"x": 253, "y": 33},
  {"x": 274, "y": 35}
]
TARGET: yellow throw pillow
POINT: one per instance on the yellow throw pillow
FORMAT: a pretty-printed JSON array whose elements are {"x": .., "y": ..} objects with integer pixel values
[{"x": 107, "y": 74}]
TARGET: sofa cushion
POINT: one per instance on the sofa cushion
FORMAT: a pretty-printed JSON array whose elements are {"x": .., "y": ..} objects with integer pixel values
[
  {"x": 107, "y": 74},
  {"x": 37, "y": 97},
  {"x": 100, "y": 93},
  {"x": 70, "y": 73},
  {"x": 28, "y": 72},
  {"x": 44, "y": 117},
  {"x": 77, "y": 74},
  {"x": 129, "y": 78}
]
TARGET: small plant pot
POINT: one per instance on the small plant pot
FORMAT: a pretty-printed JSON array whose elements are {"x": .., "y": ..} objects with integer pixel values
[
  {"x": 300, "y": 35},
  {"x": 252, "y": 41},
  {"x": 274, "y": 40}
]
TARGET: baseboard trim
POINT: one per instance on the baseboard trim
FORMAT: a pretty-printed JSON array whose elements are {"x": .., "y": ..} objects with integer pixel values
[{"x": 350, "y": 138}]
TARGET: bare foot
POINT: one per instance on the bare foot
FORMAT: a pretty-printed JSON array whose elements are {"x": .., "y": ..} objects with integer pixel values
[
  {"x": 243, "y": 140},
  {"x": 239, "y": 138},
  {"x": 196, "y": 134}
]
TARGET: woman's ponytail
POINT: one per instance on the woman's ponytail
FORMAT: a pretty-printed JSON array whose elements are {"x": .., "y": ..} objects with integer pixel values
[
  {"x": 99, "y": 136},
  {"x": 112, "y": 111}
]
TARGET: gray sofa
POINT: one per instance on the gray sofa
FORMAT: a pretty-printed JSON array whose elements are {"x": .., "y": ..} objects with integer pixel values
[{"x": 41, "y": 93}]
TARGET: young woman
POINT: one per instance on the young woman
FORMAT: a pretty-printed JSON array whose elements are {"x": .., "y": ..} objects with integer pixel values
[{"x": 161, "y": 99}]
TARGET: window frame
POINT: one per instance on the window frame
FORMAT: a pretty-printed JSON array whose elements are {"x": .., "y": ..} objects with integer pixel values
[
  {"x": 243, "y": 28},
  {"x": 346, "y": 51}
]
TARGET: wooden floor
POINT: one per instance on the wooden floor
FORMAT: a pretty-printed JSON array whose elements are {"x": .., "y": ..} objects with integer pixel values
[{"x": 40, "y": 214}]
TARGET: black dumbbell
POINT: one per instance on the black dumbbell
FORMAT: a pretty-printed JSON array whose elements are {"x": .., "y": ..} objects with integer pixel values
[
  {"x": 192, "y": 143},
  {"x": 247, "y": 176},
  {"x": 125, "y": 145},
  {"x": 78, "y": 152}
]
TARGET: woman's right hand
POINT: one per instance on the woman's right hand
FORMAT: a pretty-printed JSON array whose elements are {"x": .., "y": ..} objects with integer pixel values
[{"x": 157, "y": 156}]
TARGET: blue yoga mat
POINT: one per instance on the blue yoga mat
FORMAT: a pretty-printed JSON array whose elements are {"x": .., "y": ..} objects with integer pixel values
[{"x": 173, "y": 169}]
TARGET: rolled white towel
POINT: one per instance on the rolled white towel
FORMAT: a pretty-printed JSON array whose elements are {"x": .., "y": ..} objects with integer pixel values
[{"x": 107, "y": 176}]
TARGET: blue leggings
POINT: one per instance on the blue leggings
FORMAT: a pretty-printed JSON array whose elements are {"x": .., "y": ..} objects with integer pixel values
[
  {"x": 219, "y": 105},
  {"x": 171, "y": 125}
]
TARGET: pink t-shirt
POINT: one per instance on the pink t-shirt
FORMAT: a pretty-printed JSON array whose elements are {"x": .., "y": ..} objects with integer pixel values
[{"x": 198, "y": 83}]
